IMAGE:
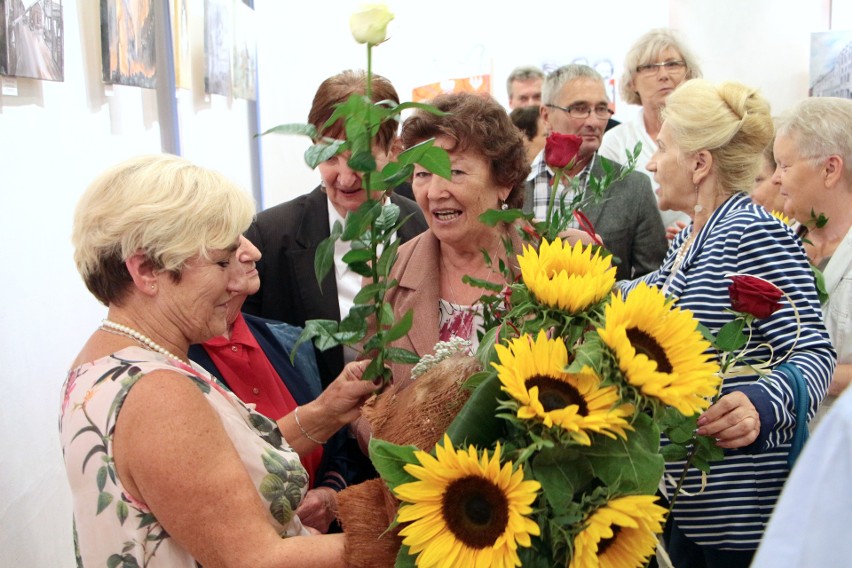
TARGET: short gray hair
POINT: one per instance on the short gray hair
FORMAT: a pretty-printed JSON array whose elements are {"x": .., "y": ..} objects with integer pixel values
[
  {"x": 821, "y": 128},
  {"x": 647, "y": 48},
  {"x": 523, "y": 73},
  {"x": 555, "y": 81}
]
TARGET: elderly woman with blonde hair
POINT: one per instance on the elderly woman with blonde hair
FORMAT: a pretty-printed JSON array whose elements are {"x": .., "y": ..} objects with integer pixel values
[
  {"x": 166, "y": 466},
  {"x": 708, "y": 153},
  {"x": 654, "y": 66}
]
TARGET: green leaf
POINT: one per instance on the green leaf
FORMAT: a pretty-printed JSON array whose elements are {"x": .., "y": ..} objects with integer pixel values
[
  {"x": 121, "y": 511},
  {"x": 480, "y": 283},
  {"x": 386, "y": 315},
  {"x": 394, "y": 174},
  {"x": 390, "y": 461},
  {"x": 369, "y": 292},
  {"x": 101, "y": 477},
  {"x": 562, "y": 471},
  {"x": 731, "y": 337},
  {"x": 399, "y": 355},
  {"x": 322, "y": 151},
  {"x": 819, "y": 281},
  {"x": 400, "y": 329},
  {"x": 404, "y": 558},
  {"x": 421, "y": 106},
  {"x": 387, "y": 259},
  {"x": 494, "y": 216},
  {"x": 351, "y": 330},
  {"x": 357, "y": 255},
  {"x": 477, "y": 422},
  {"x": 361, "y": 268},
  {"x": 674, "y": 452},
  {"x": 359, "y": 220},
  {"x": 437, "y": 161},
  {"x": 322, "y": 330},
  {"x": 324, "y": 259},
  {"x": 388, "y": 217},
  {"x": 299, "y": 129},
  {"x": 362, "y": 161}
]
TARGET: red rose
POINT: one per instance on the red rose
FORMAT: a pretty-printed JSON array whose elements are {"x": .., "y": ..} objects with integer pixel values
[
  {"x": 753, "y": 295},
  {"x": 561, "y": 149}
]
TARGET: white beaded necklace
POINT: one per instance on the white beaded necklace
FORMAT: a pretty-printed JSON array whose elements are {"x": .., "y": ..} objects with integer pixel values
[{"x": 111, "y": 326}]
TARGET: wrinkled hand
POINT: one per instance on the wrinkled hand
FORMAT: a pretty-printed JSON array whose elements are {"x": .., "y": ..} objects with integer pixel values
[
  {"x": 673, "y": 229},
  {"x": 318, "y": 509},
  {"x": 571, "y": 236},
  {"x": 342, "y": 399},
  {"x": 732, "y": 420}
]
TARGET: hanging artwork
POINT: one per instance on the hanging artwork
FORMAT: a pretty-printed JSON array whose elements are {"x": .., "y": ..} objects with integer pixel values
[
  {"x": 181, "y": 44},
  {"x": 32, "y": 39},
  {"x": 476, "y": 84},
  {"x": 831, "y": 64},
  {"x": 218, "y": 44},
  {"x": 128, "y": 43},
  {"x": 244, "y": 62}
]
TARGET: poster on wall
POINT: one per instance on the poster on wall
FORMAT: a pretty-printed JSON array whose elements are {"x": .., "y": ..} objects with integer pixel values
[
  {"x": 476, "y": 84},
  {"x": 128, "y": 43},
  {"x": 32, "y": 39},
  {"x": 244, "y": 68},
  {"x": 831, "y": 64},
  {"x": 218, "y": 44}
]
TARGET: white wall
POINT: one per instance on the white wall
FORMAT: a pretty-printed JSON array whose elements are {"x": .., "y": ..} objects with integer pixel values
[{"x": 55, "y": 137}]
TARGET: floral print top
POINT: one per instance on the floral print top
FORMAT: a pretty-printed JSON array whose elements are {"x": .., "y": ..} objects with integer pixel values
[{"x": 113, "y": 529}]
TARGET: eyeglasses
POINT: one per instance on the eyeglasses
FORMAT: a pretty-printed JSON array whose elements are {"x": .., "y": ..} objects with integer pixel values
[
  {"x": 581, "y": 110},
  {"x": 672, "y": 67}
]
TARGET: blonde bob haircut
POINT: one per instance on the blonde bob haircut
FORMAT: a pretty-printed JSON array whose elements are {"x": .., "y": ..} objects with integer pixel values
[
  {"x": 646, "y": 50},
  {"x": 730, "y": 120},
  {"x": 161, "y": 205}
]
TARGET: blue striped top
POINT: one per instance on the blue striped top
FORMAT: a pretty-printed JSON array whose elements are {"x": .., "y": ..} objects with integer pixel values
[{"x": 740, "y": 237}]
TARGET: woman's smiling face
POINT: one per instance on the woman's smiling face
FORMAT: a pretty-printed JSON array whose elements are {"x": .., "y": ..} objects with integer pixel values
[{"x": 452, "y": 207}]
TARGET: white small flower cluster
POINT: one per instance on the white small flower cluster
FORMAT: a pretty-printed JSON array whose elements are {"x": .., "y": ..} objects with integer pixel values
[{"x": 443, "y": 350}]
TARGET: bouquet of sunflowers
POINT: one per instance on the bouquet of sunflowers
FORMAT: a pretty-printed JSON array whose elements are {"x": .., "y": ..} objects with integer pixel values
[{"x": 555, "y": 457}]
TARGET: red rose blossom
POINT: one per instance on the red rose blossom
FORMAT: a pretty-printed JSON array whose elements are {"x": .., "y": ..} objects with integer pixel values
[
  {"x": 753, "y": 295},
  {"x": 561, "y": 149}
]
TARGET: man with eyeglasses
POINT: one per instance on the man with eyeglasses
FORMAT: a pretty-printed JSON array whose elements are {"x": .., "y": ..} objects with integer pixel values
[{"x": 574, "y": 101}]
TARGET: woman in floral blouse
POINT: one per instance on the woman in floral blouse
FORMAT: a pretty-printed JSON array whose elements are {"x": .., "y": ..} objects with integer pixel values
[{"x": 166, "y": 466}]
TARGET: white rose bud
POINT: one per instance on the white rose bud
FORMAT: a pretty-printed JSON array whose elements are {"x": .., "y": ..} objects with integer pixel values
[{"x": 369, "y": 25}]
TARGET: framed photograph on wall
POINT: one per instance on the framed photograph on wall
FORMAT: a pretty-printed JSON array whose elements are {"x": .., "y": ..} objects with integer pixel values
[
  {"x": 831, "y": 64},
  {"x": 32, "y": 39},
  {"x": 127, "y": 43}
]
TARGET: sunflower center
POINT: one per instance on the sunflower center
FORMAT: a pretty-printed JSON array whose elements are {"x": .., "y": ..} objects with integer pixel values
[
  {"x": 605, "y": 543},
  {"x": 475, "y": 510},
  {"x": 555, "y": 394},
  {"x": 648, "y": 346}
]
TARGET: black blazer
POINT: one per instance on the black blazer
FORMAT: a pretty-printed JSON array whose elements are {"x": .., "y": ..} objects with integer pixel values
[
  {"x": 288, "y": 235},
  {"x": 336, "y": 470}
]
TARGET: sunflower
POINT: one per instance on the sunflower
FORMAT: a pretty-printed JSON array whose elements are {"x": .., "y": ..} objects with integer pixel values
[
  {"x": 619, "y": 534},
  {"x": 532, "y": 373},
  {"x": 660, "y": 350},
  {"x": 568, "y": 278},
  {"x": 783, "y": 218},
  {"x": 465, "y": 510}
]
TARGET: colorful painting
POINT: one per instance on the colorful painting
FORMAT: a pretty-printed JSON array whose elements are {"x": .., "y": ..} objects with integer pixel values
[
  {"x": 475, "y": 84},
  {"x": 32, "y": 39},
  {"x": 218, "y": 44},
  {"x": 128, "y": 43},
  {"x": 831, "y": 64}
]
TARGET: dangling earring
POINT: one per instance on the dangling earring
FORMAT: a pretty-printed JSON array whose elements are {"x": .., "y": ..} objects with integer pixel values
[
  {"x": 698, "y": 208},
  {"x": 504, "y": 206},
  {"x": 322, "y": 186}
]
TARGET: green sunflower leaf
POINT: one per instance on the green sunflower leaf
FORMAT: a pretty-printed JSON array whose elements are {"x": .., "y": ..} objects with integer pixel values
[
  {"x": 390, "y": 460},
  {"x": 477, "y": 423}
]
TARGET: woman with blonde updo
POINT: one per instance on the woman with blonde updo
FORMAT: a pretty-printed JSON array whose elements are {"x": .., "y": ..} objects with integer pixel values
[{"x": 709, "y": 152}]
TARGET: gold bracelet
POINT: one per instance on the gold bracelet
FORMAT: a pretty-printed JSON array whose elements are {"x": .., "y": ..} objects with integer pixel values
[{"x": 302, "y": 428}]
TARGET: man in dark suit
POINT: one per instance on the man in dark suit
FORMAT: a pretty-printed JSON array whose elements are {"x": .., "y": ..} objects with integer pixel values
[
  {"x": 288, "y": 235},
  {"x": 574, "y": 101}
]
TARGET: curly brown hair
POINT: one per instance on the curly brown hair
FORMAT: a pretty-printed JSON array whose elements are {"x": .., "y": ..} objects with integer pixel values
[{"x": 477, "y": 123}]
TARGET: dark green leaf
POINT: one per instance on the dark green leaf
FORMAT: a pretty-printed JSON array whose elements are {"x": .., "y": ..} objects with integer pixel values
[
  {"x": 121, "y": 511},
  {"x": 369, "y": 292},
  {"x": 476, "y": 379},
  {"x": 673, "y": 452},
  {"x": 390, "y": 461},
  {"x": 404, "y": 558},
  {"x": 361, "y": 268},
  {"x": 480, "y": 283},
  {"x": 394, "y": 174},
  {"x": 101, "y": 477},
  {"x": 386, "y": 315},
  {"x": 477, "y": 422},
  {"x": 324, "y": 259},
  {"x": 400, "y": 329},
  {"x": 358, "y": 221},
  {"x": 399, "y": 355},
  {"x": 606, "y": 165},
  {"x": 562, "y": 471},
  {"x": 387, "y": 259},
  {"x": 357, "y": 255},
  {"x": 362, "y": 161},
  {"x": 731, "y": 337}
]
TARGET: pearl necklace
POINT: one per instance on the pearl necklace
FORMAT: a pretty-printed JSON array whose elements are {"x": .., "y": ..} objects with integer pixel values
[{"x": 111, "y": 326}]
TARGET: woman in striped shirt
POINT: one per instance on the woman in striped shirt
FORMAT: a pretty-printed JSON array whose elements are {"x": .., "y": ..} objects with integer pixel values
[{"x": 709, "y": 151}]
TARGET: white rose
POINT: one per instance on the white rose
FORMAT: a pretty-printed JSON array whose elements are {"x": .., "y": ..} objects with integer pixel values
[{"x": 369, "y": 25}]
